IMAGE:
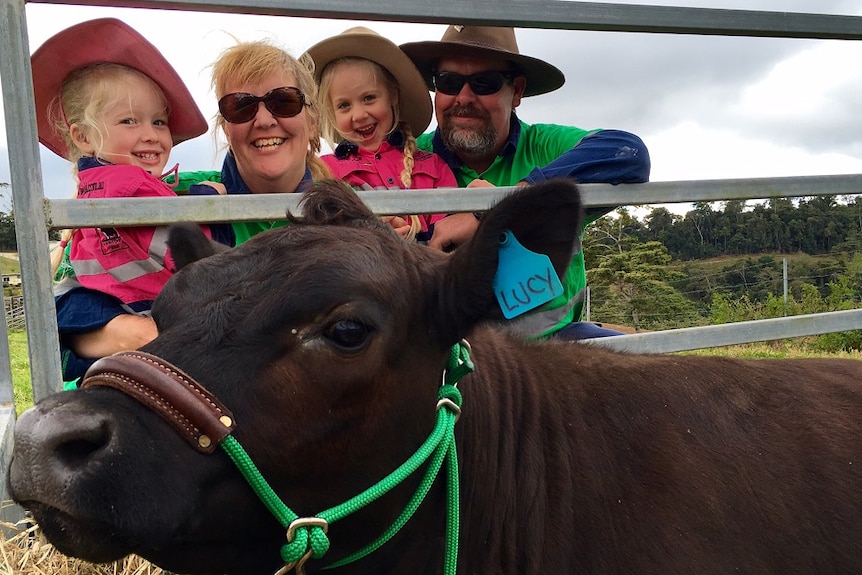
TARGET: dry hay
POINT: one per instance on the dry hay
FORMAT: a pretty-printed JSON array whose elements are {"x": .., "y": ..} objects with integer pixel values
[{"x": 25, "y": 551}]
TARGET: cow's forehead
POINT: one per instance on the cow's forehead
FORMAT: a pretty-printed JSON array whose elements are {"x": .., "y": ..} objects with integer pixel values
[{"x": 312, "y": 266}]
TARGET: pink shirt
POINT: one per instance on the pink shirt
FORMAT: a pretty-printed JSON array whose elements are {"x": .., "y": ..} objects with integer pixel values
[
  {"x": 382, "y": 169},
  {"x": 131, "y": 264}
]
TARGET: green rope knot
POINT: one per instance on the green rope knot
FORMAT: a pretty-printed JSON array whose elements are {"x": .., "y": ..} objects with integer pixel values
[
  {"x": 460, "y": 363},
  {"x": 304, "y": 535},
  {"x": 451, "y": 393}
]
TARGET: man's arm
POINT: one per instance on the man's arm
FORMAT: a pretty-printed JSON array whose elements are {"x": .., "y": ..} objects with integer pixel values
[
  {"x": 608, "y": 157},
  {"x": 455, "y": 229}
]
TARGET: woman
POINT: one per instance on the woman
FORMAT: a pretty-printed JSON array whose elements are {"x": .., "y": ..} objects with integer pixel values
[{"x": 272, "y": 136}]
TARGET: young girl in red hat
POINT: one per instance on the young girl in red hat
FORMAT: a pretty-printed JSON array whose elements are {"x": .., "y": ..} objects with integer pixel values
[{"x": 114, "y": 107}]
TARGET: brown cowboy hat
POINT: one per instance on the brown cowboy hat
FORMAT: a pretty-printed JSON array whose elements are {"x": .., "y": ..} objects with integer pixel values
[
  {"x": 414, "y": 104},
  {"x": 107, "y": 40},
  {"x": 459, "y": 41}
]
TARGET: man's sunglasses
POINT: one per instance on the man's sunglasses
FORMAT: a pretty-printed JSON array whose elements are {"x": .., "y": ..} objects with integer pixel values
[
  {"x": 239, "y": 107},
  {"x": 482, "y": 83}
]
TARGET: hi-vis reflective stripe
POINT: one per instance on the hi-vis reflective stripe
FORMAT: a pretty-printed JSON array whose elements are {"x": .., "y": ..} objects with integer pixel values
[
  {"x": 159, "y": 244},
  {"x": 123, "y": 273},
  {"x": 131, "y": 270}
]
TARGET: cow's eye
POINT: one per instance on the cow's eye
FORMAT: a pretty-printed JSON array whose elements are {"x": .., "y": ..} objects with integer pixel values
[{"x": 348, "y": 334}]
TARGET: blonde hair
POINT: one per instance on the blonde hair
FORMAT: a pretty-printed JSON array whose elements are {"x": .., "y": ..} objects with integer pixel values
[
  {"x": 84, "y": 95},
  {"x": 384, "y": 77},
  {"x": 251, "y": 63}
]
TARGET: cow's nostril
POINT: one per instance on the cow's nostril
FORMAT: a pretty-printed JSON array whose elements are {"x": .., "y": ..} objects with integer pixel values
[
  {"x": 77, "y": 452},
  {"x": 55, "y": 442}
]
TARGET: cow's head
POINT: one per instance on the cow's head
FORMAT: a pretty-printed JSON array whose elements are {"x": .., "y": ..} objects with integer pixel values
[{"x": 326, "y": 338}]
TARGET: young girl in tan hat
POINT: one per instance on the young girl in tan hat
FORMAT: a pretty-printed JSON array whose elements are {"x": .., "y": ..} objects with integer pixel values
[
  {"x": 372, "y": 102},
  {"x": 113, "y": 106}
]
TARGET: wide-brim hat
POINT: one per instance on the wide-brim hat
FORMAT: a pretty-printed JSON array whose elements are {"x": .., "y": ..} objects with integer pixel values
[
  {"x": 414, "y": 101},
  {"x": 108, "y": 40},
  {"x": 461, "y": 41}
]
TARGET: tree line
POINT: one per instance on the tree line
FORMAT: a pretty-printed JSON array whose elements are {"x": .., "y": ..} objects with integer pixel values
[
  {"x": 724, "y": 262},
  {"x": 813, "y": 225}
]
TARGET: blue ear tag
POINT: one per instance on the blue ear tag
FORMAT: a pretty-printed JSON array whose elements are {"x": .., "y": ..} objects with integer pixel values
[{"x": 524, "y": 279}]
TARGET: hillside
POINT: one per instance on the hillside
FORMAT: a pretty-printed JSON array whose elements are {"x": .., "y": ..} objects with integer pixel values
[{"x": 9, "y": 263}]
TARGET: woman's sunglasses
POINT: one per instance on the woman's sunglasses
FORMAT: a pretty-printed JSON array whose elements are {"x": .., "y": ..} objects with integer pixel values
[
  {"x": 482, "y": 83},
  {"x": 240, "y": 107}
]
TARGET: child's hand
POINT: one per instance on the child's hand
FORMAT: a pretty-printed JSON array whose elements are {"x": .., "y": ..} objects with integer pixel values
[
  {"x": 398, "y": 223},
  {"x": 477, "y": 183}
]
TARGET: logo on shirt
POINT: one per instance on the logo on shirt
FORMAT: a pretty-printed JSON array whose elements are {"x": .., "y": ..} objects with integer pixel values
[
  {"x": 91, "y": 187},
  {"x": 111, "y": 241}
]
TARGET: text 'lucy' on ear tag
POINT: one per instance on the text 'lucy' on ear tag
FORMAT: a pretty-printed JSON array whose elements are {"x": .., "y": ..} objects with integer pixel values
[{"x": 524, "y": 279}]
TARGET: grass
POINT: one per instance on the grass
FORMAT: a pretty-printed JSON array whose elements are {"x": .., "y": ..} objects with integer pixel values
[
  {"x": 9, "y": 265},
  {"x": 22, "y": 390},
  {"x": 780, "y": 349}
]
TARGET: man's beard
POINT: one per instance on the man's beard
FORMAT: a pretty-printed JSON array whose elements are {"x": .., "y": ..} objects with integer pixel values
[{"x": 475, "y": 142}]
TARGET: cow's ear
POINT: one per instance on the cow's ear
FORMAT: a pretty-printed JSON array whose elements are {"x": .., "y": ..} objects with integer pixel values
[
  {"x": 188, "y": 243},
  {"x": 544, "y": 218}
]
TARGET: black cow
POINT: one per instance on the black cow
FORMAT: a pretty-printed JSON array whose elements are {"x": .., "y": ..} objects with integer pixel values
[{"x": 327, "y": 340}]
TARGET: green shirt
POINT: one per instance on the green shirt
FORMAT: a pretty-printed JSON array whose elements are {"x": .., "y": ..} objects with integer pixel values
[
  {"x": 243, "y": 231},
  {"x": 532, "y": 146}
]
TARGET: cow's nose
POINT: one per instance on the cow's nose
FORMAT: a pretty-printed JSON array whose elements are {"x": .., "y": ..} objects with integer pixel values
[{"x": 55, "y": 441}]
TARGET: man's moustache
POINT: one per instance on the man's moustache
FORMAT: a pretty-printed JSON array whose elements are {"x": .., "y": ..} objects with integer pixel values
[{"x": 468, "y": 112}]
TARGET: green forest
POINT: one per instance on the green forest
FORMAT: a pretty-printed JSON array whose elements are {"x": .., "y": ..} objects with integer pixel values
[{"x": 724, "y": 261}]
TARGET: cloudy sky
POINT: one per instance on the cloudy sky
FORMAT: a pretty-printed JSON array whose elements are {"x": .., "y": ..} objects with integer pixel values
[{"x": 707, "y": 107}]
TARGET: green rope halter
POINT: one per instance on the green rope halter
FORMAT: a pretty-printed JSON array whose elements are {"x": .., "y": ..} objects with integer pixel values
[{"x": 306, "y": 537}]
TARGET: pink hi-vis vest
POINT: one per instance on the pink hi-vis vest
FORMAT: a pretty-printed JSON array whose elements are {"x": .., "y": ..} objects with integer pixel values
[{"x": 131, "y": 264}]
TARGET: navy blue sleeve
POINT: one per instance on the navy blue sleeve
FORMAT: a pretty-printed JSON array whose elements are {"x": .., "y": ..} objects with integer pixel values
[
  {"x": 607, "y": 157},
  {"x": 202, "y": 190},
  {"x": 222, "y": 233},
  {"x": 82, "y": 310}
]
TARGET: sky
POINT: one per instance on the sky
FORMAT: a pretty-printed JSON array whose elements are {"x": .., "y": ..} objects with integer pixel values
[{"x": 707, "y": 107}]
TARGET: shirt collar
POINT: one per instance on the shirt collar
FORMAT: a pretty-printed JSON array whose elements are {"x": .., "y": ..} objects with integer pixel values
[
  {"x": 452, "y": 159},
  {"x": 88, "y": 162},
  {"x": 234, "y": 183},
  {"x": 346, "y": 148}
]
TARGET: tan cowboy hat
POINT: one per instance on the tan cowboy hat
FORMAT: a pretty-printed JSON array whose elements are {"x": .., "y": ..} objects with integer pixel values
[
  {"x": 107, "y": 40},
  {"x": 460, "y": 41},
  {"x": 414, "y": 102}
]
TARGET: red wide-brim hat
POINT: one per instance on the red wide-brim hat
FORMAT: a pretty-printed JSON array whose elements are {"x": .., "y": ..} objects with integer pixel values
[{"x": 108, "y": 40}]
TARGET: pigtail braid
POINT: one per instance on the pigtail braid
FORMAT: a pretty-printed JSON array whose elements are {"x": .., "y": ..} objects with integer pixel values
[
  {"x": 407, "y": 175},
  {"x": 408, "y": 152}
]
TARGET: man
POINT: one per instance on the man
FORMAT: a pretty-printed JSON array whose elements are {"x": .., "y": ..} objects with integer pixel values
[{"x": 479, "y": 77}]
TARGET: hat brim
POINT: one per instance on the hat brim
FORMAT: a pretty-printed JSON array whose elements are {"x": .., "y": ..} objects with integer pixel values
[
  {"x": 108, "y": 40},
  {"x": 414, "y": 104},
  {"x": 541, "y": 76}
]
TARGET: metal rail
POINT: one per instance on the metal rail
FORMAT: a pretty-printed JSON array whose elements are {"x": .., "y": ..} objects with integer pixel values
[
  {"x": 139, "y": 211},
  {"x": 554, "y": 14}
]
